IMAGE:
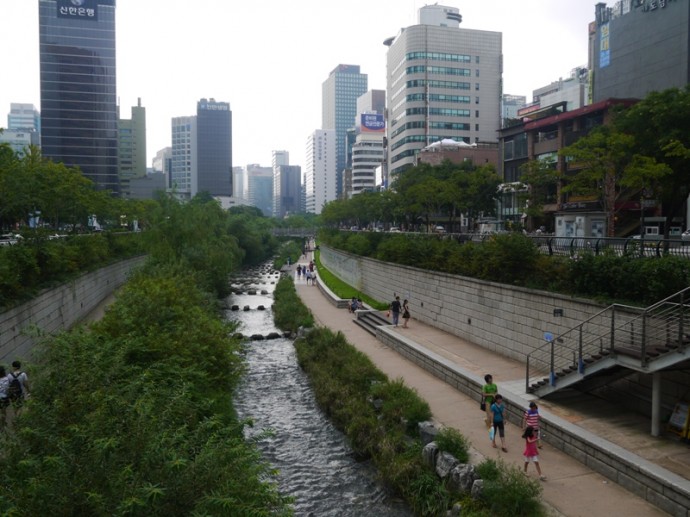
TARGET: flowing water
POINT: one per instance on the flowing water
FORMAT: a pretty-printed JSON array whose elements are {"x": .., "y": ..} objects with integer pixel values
[{"x": 316, "y": 465}]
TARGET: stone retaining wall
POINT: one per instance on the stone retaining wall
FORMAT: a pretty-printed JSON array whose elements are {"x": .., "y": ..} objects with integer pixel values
[
  {"x": 508, "y": 320},
  {"x": 60, "y": 308},
  {"x": 658, "y": 486}
]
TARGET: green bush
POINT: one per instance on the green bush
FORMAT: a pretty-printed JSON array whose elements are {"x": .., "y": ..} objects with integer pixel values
[
  {"x": 510, "y": 493},
  {"x": 289, "y": 313},
  {"x": 453, "y": 442},
  {"x": 134, "y": 417}
]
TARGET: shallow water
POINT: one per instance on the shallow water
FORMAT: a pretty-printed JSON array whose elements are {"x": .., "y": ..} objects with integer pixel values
[{"x": 315, "y": 463}]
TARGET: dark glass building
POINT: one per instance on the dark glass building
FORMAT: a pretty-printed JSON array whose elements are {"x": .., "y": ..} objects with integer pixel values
[
  {"x": 214, "y": 147},
  {"x": 78, "y": 87}
]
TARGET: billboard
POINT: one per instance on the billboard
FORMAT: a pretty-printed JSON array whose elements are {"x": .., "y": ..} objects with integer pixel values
[
  {"x": 78, "y": 9},
  {"x": 372, "y": 123}
]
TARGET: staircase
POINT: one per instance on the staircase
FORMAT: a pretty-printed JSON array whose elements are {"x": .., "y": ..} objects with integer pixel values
[
  {"x": 370, "y": 319},
  {"x": 616, "y": 339}
]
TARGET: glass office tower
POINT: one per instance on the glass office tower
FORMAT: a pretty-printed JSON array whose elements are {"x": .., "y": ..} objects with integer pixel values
[
  {"x": 78, "y": 88},
  {"x": 214, "y": 147}
]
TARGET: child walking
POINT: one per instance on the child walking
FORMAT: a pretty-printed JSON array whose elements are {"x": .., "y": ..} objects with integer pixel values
[
  {"x": 531, "y": 453},
  {"x": 531, "y": 419}
]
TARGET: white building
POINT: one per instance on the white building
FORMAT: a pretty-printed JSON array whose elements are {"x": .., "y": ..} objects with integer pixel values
[
  {"x": 320, "y": 171},
  {"x": 442, "y": 82},
  {"x": 367, "y": 152},
  {"x": 572, "y": 91},
  {"x": 278, "y": 158},
  {"x": 239, "y": 182},
  {"x": 183, "y": 180}
]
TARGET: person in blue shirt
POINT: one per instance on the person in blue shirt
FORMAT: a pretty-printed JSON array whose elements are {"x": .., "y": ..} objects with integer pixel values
[{"x": 498, "y": 410}]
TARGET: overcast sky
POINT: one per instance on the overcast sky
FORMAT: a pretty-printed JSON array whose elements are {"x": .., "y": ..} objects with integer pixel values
[{"x": 269, "y": 58}]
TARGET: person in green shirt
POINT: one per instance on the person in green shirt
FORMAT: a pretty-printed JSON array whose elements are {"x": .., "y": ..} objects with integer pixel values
[{"x": 489, "y": 390}]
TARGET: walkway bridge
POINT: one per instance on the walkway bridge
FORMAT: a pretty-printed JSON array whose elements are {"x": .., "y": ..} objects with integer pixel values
[{"x": 611, "y": 344}]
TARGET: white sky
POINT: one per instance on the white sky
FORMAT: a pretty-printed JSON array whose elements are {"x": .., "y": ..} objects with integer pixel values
[{"x": 268, "y": 58}]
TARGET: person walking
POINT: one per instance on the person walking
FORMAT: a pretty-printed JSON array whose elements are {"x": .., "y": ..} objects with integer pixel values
[
  {"x": 4, "y": 396},
  {"x": 489, "y": 391},
  {"x": 498, "y": 410},
  {"x": 531, "y": 453},
  {"x": 395, "y": 310},
  {"x": 405, "y": 313},
  {"x": 531, "y": 419},
  {"x": 18, "y": 389},
  {"x": 299, "y": 272}
]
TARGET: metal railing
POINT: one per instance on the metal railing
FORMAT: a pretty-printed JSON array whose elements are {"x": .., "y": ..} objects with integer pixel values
[{"x": 636, "y": 332}]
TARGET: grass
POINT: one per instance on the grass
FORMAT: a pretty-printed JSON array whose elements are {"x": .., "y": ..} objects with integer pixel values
[{"x": 342, "y": 289}]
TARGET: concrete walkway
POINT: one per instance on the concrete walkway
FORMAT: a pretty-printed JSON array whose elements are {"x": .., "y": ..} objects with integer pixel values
[{"x": 571, "y": 489}]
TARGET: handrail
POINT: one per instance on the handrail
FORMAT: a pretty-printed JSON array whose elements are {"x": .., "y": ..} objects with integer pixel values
[{"x": 633, "y": 329}]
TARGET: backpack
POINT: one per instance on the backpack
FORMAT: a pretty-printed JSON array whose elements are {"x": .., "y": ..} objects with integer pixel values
[{"x": 14, "y": 392}]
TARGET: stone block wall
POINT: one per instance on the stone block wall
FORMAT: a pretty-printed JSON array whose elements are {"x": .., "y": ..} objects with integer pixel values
[
  {"x": 57, "y": 309},
  {"x": 509, "y": 320}
]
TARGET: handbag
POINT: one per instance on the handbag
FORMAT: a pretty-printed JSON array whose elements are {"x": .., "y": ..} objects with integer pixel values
[{"x": 482, "y": 406}]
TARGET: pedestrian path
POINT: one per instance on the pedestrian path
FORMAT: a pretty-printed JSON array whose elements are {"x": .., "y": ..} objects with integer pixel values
[{"x": 572, "y": 489}]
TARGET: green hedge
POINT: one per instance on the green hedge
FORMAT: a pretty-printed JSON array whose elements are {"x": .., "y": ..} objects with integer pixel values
[{"x": 514, "y": 259}]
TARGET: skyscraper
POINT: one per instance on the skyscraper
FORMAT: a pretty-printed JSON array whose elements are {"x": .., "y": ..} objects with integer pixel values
[
  {"x": 443, "y": 82},
  {"x": 320, "y": 174},
  {"x": 339, "y": 109},
  {"x": 131, "y": 147},
  {"x": 183, "y": 166},
  {"x": 214, "y": 147},
  {"x": 78, "y": 87},
  {"x": 278, "y": 158}
]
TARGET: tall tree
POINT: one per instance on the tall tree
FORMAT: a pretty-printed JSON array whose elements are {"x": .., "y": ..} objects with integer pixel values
[
  {"x": 661, "y": 126},
  {"x": 610, "y": 169}
]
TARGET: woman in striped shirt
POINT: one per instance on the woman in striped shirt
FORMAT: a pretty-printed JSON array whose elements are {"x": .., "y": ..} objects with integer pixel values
[{"x": 531, "y": 419}]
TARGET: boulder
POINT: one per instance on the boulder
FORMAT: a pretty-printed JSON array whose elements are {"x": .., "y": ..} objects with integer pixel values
[
  {"x": 261, "y": 308},
  {"x": 264, "y": 291},
  {"x": 462, "y": 478},
  {"x": 477, "y": 488},
  {"x": 251, "y": 291},
  {"x": 273, "y": 335},
  {"x": 429, "y": 454},
  {"x": 235, "y": 308},
  {"x": 445, "y": 463},
  {"x": 427, "y": 431},
  {"x": 257, "y": 337},
  {"x": 245, "y": 308}
]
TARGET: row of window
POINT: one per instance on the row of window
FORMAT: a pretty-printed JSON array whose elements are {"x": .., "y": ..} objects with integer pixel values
[
  {"x": 439, "y": 70},
  {"x": 420, "y": 124},
  {"x": 438, "y": 97},
  {"x": 440, "y": 56}
]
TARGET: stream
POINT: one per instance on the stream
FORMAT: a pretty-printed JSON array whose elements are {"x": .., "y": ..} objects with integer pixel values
[{"x": 316, "y": 465}]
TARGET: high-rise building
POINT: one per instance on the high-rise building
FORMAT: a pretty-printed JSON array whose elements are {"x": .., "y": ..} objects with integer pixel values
[
  {"x": 367, "y": 152},
  {"x": 320, "y": 177},
  {"x": 214, "y": 147},
  {"x": 24, "y": 116},
  {"x": 239, "y": 182},
  {"x": 639, "y": 46},
  {"x": 183, "y": 166},
  {"x": 372, "y": 101},
  {"x": 19, "y": 139},
  {"x": 340, "y": 92},
  {"x": 443, "y": 82},
  {"x": 162, "y": 162},
  {"x": 131, "y": 147},
  {"x": 260, "y": 188},
  {"x": 78, "y": 87},
  {"x": 290, "y": 179},
  {"x": 278, "y": 158}
]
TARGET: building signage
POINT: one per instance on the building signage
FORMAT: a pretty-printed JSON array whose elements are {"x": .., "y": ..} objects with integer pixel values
[
  {"x": 653, "y": 5},
  {"x": 78, "y": 9},
  {"x": 604, "y": 46},
  {"x": 214, "y": 106},
  {"x": 372, "y": 123}
]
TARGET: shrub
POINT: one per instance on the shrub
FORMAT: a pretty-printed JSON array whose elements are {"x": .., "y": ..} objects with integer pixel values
[
  {"x": 453, "y": 442},
  {"x": 510, "y": 493}
]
